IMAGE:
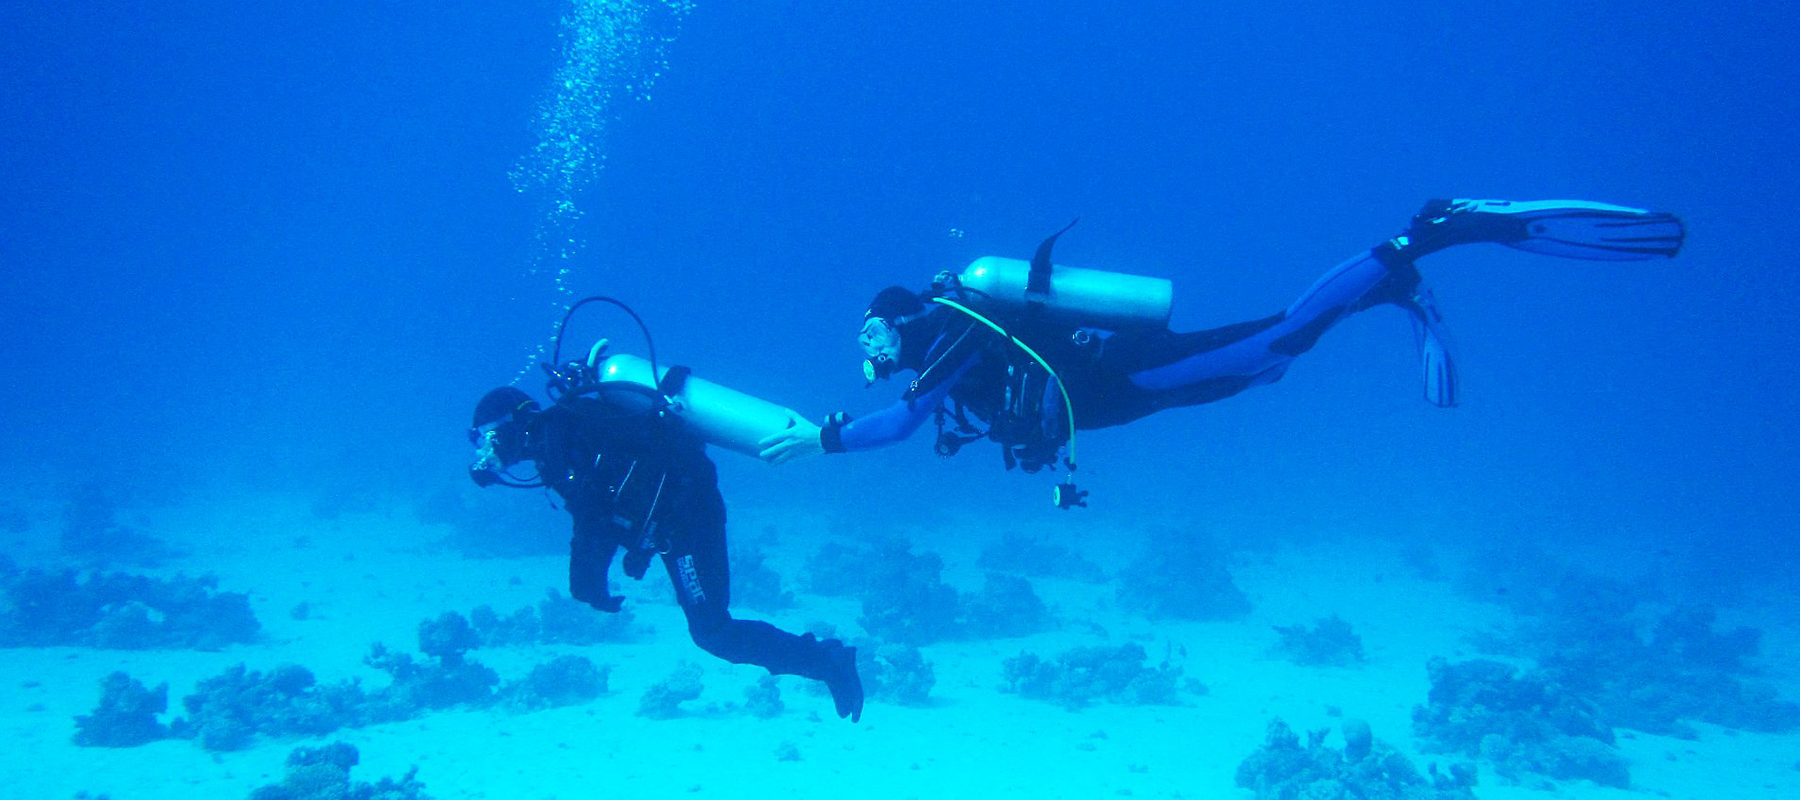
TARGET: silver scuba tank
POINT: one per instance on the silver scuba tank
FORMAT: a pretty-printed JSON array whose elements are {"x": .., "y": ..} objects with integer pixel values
[
  {"x": 720, "y": 416},
  {"x": 1080, "y": 297}
]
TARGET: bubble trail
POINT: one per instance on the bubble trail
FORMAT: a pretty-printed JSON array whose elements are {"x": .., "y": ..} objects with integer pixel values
[{"x": 612, "y": 51}]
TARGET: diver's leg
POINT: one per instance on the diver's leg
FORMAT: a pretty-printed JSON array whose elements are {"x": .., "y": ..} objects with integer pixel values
[
  {"x": 700, "y": 571},
  {"x": 701, "y": 574},
  {"x": 1211, "y": 370},
  {"x": 1214, "y": 370}
]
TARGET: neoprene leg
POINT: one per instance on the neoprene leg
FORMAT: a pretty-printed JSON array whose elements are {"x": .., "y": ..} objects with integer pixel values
[
  {"x": 1264, "y": 355},
  {"x": 701, "y": 573}
]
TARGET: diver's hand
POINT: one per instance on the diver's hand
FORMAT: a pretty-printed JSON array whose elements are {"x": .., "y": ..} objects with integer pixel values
[
  {"x": 799, "y": 440},
  {"x": 603, "y": 601}
]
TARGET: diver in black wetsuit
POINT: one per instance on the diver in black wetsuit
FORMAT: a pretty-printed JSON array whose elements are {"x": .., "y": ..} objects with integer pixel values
[
  {"x": 1020, "y": 369},
  {"x": 636, "y": 480}
]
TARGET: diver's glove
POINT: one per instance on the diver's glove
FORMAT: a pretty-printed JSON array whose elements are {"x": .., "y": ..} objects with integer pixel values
[
  {"x": 590, "y": 557},
  {"x": 637, "y": 562},
  {"x": 602, "y": 600}
]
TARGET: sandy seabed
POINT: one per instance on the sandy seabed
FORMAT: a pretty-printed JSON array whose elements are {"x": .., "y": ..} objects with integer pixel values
[{"x": 373, "y": 577}]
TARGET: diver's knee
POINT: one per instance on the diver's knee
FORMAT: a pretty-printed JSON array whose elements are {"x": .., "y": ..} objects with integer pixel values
[{"x": 710, "y": 633}]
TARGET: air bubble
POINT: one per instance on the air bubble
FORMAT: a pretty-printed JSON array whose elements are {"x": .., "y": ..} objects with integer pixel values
[{"x": 610, "y": 48}]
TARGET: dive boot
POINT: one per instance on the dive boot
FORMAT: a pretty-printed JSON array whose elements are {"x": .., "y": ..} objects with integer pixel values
[{"x": 841, "y": 678}]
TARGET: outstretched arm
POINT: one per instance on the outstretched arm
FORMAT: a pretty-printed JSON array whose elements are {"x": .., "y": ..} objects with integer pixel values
[
  {"x": 880, "y": 429},
  {"x": 885, "y": 427},
  {"x": 590, "y": 557}
]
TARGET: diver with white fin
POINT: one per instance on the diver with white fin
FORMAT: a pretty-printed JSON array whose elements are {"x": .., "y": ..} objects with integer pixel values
[
  {"x": 623, "y": 443},
  {"x": 1027, "y": 354}
]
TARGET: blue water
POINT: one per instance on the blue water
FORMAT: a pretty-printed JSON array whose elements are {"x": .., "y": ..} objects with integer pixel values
[{"x": 276, "y": 248}]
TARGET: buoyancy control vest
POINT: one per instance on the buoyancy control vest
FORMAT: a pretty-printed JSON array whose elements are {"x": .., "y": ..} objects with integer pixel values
[
  {"x": 1050, "y": 323},
  {"x": 634, "y": 432},
  {"x": 681, "y": 413},
  {"x": 1007, "y": 388},
  {"x": 618, "y": 465},
  {"x": 1049, "y": 318}
]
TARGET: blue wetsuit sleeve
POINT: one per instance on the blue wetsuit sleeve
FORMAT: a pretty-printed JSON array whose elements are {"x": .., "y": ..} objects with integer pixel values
[{"x": 898, "y": 421}]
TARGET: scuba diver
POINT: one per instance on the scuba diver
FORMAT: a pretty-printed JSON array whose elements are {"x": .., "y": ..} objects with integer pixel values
[
  {"x": 1027, "y": 354},
  {"x": 627, "y": 455}
]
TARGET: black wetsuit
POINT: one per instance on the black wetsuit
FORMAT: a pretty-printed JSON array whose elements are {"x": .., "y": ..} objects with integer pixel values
[
  {"x": 615, "y": 468},
  {"x": 1111, "y": 378}
]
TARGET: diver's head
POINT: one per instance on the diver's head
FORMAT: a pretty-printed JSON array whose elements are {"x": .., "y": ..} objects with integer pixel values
[
  {"x": 881, "y": 336},
  {"x": 498, "y": 433}
]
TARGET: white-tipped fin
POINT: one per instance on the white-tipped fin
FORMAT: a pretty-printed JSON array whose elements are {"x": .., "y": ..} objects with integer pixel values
[
  {"x": 1584, "y": 229},
  {"x": 1442, "y": 388}
]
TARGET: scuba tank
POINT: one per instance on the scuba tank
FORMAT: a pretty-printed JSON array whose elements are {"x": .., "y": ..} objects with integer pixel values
[
  {"x": 719, "y": 415},
  {"x": 1071, "y": 296}
]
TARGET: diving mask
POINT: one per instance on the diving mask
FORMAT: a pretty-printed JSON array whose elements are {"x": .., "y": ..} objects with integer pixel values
[
  {"x": 486, "y": 444},
  {"x": 498, "y": 446},
  {"x": 880, "y": 341}
]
